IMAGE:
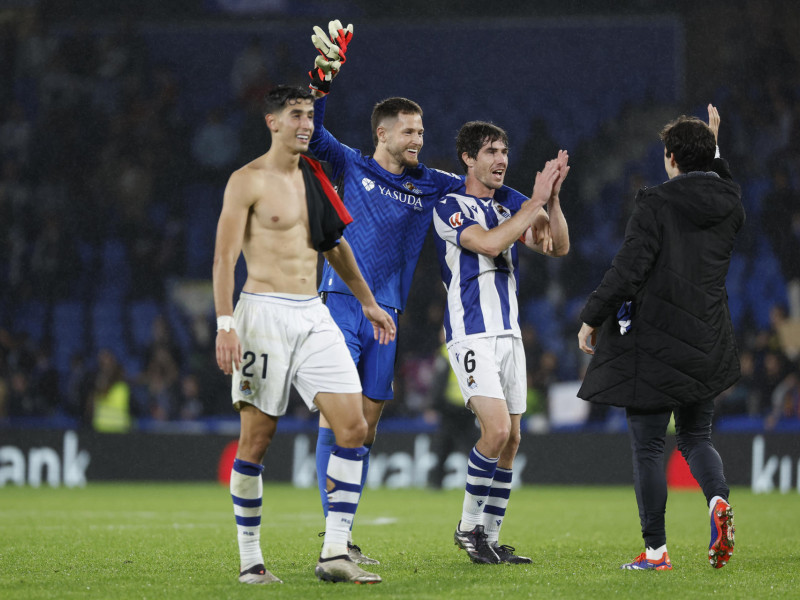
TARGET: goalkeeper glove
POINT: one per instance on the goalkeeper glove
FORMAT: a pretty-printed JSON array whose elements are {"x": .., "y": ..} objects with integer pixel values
[
  {"x": 340, "y": 36},
  {"x": 321, "y": 75},
  {"x": 332, "y": 55},
  {"x": 327, "y": 49}
]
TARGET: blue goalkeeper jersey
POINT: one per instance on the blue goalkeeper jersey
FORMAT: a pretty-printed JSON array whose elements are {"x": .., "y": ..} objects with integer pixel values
[{"x": 391, "y": 214}]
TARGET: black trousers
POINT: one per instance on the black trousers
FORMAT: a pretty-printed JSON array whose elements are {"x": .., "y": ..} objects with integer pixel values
[{"x": 648, "y": 432}]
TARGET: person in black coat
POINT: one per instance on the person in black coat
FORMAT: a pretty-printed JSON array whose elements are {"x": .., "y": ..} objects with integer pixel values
[{"x": 660, "y": 332}]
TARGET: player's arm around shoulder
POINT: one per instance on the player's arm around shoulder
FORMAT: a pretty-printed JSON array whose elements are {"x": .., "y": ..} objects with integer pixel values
[{"x": 238, "y": 199}]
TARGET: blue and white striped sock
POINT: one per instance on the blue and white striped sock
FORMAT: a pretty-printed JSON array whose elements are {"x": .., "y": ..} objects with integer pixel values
[
  {"x": 325, "y": 442},
  {"x": 364, "y": 472},
  {"x": 480, "y": 473},
  {"x": 494, "y": 511},
  {"x": 246, "y": 491},
  {"x": 344, "y": 472}
]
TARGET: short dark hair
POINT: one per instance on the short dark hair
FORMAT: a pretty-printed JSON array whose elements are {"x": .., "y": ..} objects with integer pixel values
[
  {"x": 475, "y": 135},
  {"x": 278, "y": 97},
  {"x": 390, "y": 108},
  {"x": 691, "y": 141}
]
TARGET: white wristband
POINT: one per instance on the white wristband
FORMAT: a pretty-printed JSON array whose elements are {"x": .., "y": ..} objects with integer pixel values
[
  {"x": 717, "y": 154},
  {"x": 225, "y": 323}
]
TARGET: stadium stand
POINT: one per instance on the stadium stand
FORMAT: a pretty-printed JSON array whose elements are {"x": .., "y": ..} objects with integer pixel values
[{"x": 111, "y": 131}]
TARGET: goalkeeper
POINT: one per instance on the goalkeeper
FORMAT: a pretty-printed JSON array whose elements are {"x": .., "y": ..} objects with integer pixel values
[{"x": 391, "y": 196}]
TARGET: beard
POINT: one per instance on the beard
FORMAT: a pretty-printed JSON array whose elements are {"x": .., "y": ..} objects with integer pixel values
[{"x": 404, "y": 159}]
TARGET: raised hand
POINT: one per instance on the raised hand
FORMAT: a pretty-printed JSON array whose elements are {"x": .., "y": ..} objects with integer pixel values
[
  {"x": 545, "y": 180},
  {"x": 713, "y": 121},
  {"x": 326, "y": 48},
  {"x": 332, "y": 47},
  {"x": 563, "y": 169},
  {"x": 321, "y": 76},
  {"x": 340, "y": 36}
]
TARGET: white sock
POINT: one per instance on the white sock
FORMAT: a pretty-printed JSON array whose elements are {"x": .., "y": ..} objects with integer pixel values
[
  {"x": 655, "y": 554},
  {"x": 246, "y": 492},
  {"x": 344, "y": 470}
]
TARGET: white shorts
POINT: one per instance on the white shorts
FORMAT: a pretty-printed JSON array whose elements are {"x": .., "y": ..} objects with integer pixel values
[
  {"x": 493, "y": 367},
  {"x": 285, "y": 342}
]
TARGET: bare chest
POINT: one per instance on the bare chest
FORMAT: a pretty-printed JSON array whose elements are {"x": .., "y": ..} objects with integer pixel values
[{"x": 282, "y": 205}]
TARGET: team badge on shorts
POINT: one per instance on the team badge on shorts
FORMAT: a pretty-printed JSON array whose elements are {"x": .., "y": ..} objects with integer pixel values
[
  {"x": 245, "y": 388},
  {"x": 471, "y": 383}
]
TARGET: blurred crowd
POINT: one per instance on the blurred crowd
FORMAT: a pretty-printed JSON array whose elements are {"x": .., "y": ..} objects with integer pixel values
[{"x": 99, "y": 172}]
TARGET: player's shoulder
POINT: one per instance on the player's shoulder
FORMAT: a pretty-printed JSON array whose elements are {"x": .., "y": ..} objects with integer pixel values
[
  {"x": 353, "y": 158},
  {"x": 443, "y": 173},
  {"x": 433, "y": 183},
  {"x": 423, "y": 172},
  {"x": 460, "y": 197},
  {"x": 248, "y": 182},
  {"x": 247, "y": 175},
  {"x": 455, "y": 203}
]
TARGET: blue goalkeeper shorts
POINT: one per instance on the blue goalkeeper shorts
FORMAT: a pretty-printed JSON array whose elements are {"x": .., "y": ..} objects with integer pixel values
[{"x": 375, "y": 363}]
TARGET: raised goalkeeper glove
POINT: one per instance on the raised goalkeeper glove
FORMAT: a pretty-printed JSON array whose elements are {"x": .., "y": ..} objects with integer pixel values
[
  {"x": 327, "y": 49},
  {"x": 321, "y": 76},
  {"x": 332, "y": 54},
  {"x": 340, "y": 36}
]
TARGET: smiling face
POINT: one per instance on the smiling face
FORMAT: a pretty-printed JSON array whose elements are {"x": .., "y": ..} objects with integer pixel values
[
  {"x": 400, "y": 139},
  {"x": 487, "y": 171},
  {"x": 293, "y": 125}
]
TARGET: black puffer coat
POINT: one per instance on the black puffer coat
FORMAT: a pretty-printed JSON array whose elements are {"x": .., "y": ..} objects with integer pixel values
[{"x": 680, "y": 348}]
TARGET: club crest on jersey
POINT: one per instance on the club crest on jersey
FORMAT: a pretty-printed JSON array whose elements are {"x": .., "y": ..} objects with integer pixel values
[
  {"x": 412, "y": 188},
  {"x": 245, "y": 388},
  {"x": 502, "y": 210},
  {"x": 368, "y": 184},
  {"x": 455, "y": 220},
  {"x": 471, "y": 384}
]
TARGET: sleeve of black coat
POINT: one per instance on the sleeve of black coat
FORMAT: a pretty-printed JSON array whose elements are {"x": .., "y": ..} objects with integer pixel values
[
  {"x": 720, "y": 167},
  {"x": 630, "y": 267}
]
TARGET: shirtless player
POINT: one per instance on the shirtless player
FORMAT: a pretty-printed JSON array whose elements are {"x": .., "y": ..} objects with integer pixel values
[{"x": 280, "y": 210}]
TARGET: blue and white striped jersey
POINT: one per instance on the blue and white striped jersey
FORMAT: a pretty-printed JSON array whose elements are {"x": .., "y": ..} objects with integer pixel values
[
  {"x": 481, "y": 291},
  {"x": 391, "y": 214}
]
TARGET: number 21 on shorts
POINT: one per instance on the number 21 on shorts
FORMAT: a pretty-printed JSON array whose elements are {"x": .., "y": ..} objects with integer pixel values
[{"x": 250, "y": 364}]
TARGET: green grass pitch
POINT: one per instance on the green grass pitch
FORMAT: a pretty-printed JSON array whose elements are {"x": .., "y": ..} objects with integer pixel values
[{"x": 149, "y": 541}]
